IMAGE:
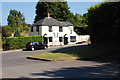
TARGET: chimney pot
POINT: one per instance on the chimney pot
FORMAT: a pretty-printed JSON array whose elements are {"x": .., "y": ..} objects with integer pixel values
[{"x": 48, "y": 15}]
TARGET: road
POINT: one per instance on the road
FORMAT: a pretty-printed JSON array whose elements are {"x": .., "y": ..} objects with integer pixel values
[{"x": 15, "y": 65}]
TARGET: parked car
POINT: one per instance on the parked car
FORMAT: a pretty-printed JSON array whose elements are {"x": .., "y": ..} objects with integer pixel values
[{"x": 35, "y": 45}]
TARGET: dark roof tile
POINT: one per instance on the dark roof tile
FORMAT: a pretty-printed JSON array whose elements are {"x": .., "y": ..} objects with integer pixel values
[{"x": 49, "y": 21}]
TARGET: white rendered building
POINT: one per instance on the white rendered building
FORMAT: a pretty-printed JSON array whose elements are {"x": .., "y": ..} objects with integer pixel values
[{"x": 54, "y": 32}]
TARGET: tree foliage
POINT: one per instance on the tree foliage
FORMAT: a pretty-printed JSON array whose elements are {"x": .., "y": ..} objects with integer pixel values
[
  {"x": 104, "y": 22},
  {"x": 79, "y": 20},
  {"x": 104, "y": 26},
  {"x": 17, "y": 33},
  {"x": 57, "y": 10},
  {"x": 15, "y": 19}
]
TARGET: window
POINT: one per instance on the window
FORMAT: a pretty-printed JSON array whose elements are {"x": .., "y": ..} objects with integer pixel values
[
  {"x": 72, "y": 38},
  {"x": 31, "y": 29},
  {"x": 50, "y": 28},
  {"x": 70, "y": 31},
  {"x": 60, "y": 29},
  {"x": 50, "y": 39},
  {"x": 35, "y": 43},
  {"x": 60, "y": 39},
  {"x": 37, "y": 28}
]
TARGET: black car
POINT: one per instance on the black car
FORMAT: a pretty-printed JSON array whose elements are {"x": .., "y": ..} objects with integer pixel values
[{"x": 35, "y": 45}]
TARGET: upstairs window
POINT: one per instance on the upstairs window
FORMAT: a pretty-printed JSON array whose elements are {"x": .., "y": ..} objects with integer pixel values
[
  {"x": 60, "y": 29},
  {"x": 50, "y": 28},
  {"x": 60, "y": 39},
  {"x": 37, "y": 28},
  {"x": 72, "y": 38},
  {"x": 32, "y": 29},
  {"x": 70, "y": 31}
]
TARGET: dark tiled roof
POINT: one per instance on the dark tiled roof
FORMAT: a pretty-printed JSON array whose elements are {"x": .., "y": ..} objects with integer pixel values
[{"x": 49, "y": 21}]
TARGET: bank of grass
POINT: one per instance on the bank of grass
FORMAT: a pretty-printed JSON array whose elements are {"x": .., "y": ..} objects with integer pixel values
[
  {"x": 88, "y": 52},
  {"x": 77, "y": 53},
  {"x": 52, "y": 56}
]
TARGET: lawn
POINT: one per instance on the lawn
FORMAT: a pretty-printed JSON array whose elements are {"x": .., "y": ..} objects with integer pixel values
[
  {"x": 77, "y": 53},
  {"x": 52, "y": 56}
]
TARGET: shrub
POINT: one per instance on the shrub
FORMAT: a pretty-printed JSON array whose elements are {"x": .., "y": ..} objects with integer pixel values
[
  {"x": 20, "y": 42},
  {"x": 104, "y": 21},
  {"x": 17, "y": 33}
]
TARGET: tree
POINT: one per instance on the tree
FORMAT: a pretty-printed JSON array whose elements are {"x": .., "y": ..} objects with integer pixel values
[
  {"x": 85, "y": 18},
  {"x": 103, "y": 20},
  {"x": 15, "y": 19},
  {"x": 17, "y": 33},
  {"x": 78, "y": 20},
  {"x": 2, "y": 32},
  {"x": 57, "y": 10}
]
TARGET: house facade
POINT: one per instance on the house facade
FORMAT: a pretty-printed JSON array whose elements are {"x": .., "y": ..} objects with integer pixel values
[{"x": 55, "y": 32}]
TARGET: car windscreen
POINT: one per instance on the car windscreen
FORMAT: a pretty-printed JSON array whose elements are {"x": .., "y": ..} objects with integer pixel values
[{"x": 35, "y": 43}]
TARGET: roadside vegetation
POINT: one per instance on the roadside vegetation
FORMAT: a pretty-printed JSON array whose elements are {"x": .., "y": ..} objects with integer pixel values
[
  {"x": 11, "y": 43},
  {"x": 104, "y": 28}
]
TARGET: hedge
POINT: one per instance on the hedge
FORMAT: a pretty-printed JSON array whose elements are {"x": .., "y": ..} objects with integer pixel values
[
  {"x": 20, "y": 42},
  {"x": 104, "y": 22}
]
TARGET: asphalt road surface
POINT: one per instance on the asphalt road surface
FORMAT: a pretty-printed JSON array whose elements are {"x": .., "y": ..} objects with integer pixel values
[{"x": 15, "y": 65}]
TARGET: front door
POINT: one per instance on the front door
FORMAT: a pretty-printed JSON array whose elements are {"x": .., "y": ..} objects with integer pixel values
[
  {"x": 65, "y": 40},
  {"x": 45, "y": 40}
]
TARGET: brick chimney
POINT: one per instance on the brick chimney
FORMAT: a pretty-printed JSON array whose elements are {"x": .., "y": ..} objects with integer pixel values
[{"x": 48, "y": 15}]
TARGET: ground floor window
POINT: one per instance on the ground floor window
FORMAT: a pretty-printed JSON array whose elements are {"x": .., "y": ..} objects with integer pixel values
[
  {"x": 60, "y": 39},
  {"x": 31, "y": 29},
  {"x": 72, "y": 38},
  {"x": 50, "y": 39}
]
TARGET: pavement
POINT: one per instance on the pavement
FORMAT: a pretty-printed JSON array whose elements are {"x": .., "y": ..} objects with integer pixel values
[{"x": 15, "y": 65}]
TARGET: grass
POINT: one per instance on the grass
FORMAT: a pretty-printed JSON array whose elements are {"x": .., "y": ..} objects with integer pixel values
[
  {"x": 77, "y": 53},
  {"x": 90, "y": 52},
  {"x": 53, "y": 56}
]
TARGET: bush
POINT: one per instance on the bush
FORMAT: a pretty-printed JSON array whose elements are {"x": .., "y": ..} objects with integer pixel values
[
  {"x": 20, "y": 42},
  {"x": 17, "y": 33}
]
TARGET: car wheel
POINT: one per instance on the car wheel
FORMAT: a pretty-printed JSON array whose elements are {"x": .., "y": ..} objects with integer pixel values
[
  {"x": 33, "y": 49},
  {"x": 45, "y": 47}
]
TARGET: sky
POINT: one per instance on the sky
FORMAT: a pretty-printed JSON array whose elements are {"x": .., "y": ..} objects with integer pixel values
[{"x": 28, "y": 9}]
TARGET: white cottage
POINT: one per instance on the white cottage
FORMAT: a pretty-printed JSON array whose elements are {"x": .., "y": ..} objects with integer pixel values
[{"x": 54, "y": 32}]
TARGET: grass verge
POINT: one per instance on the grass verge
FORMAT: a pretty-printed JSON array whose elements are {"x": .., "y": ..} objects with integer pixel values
[
  {"x": 52, "y": 56},
  {"x": 77, "y": 53},
  {"x": 89, "y": 52}
]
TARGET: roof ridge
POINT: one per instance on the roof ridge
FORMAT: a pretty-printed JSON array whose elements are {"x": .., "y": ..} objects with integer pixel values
[{"x": 44, "y": 20}]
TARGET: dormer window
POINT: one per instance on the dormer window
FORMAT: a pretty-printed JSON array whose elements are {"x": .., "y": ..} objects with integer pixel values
[
  {"x": 50, "y": 28},
  {"x": 60, "y": 29}
]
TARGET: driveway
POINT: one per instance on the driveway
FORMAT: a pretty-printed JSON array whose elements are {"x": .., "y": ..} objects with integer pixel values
[{"x": 15, "y": 65}]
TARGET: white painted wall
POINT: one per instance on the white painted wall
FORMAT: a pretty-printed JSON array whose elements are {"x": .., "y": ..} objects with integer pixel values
[{"x": 56, "y": 34}]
